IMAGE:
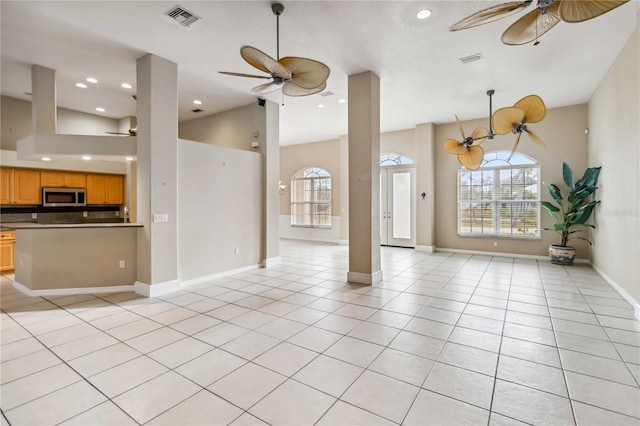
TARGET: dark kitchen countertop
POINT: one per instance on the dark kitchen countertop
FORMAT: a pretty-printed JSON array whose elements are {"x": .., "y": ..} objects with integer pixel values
[{"x": 32, "y": 225}]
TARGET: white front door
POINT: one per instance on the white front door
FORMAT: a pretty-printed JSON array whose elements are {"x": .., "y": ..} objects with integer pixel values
[{"x": 397, "y": 207}]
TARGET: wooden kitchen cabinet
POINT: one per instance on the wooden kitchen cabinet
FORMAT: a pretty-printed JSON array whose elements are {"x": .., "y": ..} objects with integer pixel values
[
  {"x": 7, "y": 250},
  {"x": 20, "y": 186},
  {"x": 105, "y": 189},
  {"x": 58, "y": 179}
]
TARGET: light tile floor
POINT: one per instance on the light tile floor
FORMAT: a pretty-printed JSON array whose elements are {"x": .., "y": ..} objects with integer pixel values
[{"x": 445, "y": 339}]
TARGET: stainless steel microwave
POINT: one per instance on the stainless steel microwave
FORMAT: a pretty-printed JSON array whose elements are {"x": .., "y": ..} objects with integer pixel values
[{"x": 64, "y": 197}]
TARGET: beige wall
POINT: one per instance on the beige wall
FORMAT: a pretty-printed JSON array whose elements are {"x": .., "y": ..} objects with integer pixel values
[
  {"x": 75, "y": 258},
  {"x": 233, "y": 129},
  {"x": 563, "y": 133},
  {"x": 16, "y": 122},
  {"x": 614, "y": 144},
  {"x": 399, "y": 142},
  {"x": 219, "y": 209},
  {"x": 293, "y": 158}
]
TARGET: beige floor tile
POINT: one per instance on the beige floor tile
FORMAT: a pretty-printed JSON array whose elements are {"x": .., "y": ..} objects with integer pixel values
[
  {"x": 121, "y": 378},
  {"x": 20, "y": 348},
  {"x": 532, "y": 374},
  {"x": 83, "y": 346},
  {"x": 417, "y": 344},
  {"x": 113, "y": 320},
  {"x": 603, "y": 368},
  {"x": 179, "y": 352},
  {"x": 203, "y": 408},
  {"x": 390, "y": 319},
  {"x": 148, "y": 400},
  {"x": 195, "y": 324},
  {"x": 28, "y": 364},
  {"x": 475, "y": 338},
  {"x": 433, "y": 409},
  {"x": 250, "y": 345},
  {"x": 247, "y": 385},
  {"x": 354, "y": 351},
  {"x": 463, "y": 385},
  {"x": 402, "y": 366},
  {"x": 293, "y": 403},
  {"x": 345, "y": 414},
  {"x": 68, "y": 334},
  {"x": 76, "y": 398},
  {"x": 133, "y": 329},
  {"x": 220, "y": 334},
  {"x": 103, "y": 359},
  {"x": 542, "y": 354},
  {"x": 36, "y": 385},
  {"x": 604, "y": 394},
  {"x": 213, "y": 365},
  {"x": 315, "y": 339},
  {"x": 588, "y": 415},
  {"x": 247, "y": 420},
  {"x": 473, "y": 359},
  {"x": 429, "y": 328},
  {"x": 500, "y": 420},
  {"x": 285, "y": 358},
  {"x": 374, "y": 333},
  {"x": 329, "y": 375},
  {"x": 156, "y": 339},
  {"x": 531, "y": 405},
  {"x": 381, "y": 395},
  {"x": 253, "y": 320},
  {"x": 173, "y": 316},
  {"x": 105, "y": 414}
]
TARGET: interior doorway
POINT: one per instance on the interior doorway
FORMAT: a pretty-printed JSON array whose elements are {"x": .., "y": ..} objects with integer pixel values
[{"x": 397, "y": 202}]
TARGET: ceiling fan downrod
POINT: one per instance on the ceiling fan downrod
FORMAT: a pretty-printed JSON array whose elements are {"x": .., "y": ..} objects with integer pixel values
[{"x": 277, "y": 9}]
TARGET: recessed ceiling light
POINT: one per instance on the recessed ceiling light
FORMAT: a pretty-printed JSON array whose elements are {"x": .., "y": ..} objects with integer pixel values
[
  {"x": 46, "y": 158},
  {"x": 423, "y": 14},
  {"x": 100, "y": 109},
  {"x": 341, "y": 101},
  {"x": 91, "y": 80},
  {"x": 81, "y": 85},
  {"x": 197, "y": 101},
  {"x": 320, "y": 106},
  {"x": 128, "y": 158},
  {"x": 86, "y": 157},
  {"x": 126, "y": 85}
]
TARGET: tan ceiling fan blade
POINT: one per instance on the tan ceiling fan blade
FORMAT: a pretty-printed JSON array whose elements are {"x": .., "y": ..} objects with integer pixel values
[
  {"x": 460, "y": 127},
  {"x": 291, "y": 89},
  {"x": 515, "y": 146},
  {"x": 533, "y": 108},
  {"x": 260, "y": 60},
  {"x": 264, "y": 89},
  {"x": 119, "y": 134},
  {"x": 505, "y": 118},
  {"x": 240, "y": 74},
  {"x": 531, "y": 26},
  {"x": 580, "y": 10},
  {"x": 453, "y": 146},
  {"x": 472, "y": 159},
  {"x": 490, "y": 14},
  {"x": 306, "y": 73},
  {"x": 479, "y": 135},
  {"x": 534, "y": 137}
]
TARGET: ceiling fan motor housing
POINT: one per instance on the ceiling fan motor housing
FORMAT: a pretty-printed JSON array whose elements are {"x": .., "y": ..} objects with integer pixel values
[{"x": 277, "y": 8}]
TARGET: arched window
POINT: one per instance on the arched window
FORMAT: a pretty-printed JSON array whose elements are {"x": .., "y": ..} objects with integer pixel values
[
  {"x": 393, "y": 159},
  {"x": 501, "y": 198},
  {"x": 311, "y": 198}
]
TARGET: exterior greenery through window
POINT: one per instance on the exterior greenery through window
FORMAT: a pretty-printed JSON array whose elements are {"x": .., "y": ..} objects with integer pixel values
[
  {"x": 311, "y": 198},
  {"x": 501, "y": 198}
]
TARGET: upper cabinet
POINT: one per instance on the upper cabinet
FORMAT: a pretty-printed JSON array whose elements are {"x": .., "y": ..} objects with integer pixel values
[
  {"x": 105, "y": 189},
  {"x": 58, "y": 179},
  {"x": 20, "y": 186}
]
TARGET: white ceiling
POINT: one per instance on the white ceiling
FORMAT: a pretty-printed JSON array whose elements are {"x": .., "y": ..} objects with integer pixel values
[{"x": 421, "y": 78}]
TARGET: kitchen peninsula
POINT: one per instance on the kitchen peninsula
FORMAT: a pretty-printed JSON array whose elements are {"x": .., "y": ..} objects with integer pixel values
[{"x": 52, "y": 259}]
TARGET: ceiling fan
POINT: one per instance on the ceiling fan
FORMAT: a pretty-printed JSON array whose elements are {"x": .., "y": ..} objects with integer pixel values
[
  {"x": 530, "y": 109},
  {"x": 546, "y": 15},
  {"x": 132, "y": 132},
  {"x": 296, "y": 76}
]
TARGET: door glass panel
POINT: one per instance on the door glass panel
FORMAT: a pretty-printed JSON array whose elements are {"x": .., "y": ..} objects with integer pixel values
[{"x": 401, "y": 205}]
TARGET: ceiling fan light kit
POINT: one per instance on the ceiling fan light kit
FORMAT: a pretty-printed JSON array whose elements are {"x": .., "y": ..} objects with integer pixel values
[
  {"x": 546, "y": 15},
  {"x": 530, "y": 109},
  {"x": 296, "y": 76}
]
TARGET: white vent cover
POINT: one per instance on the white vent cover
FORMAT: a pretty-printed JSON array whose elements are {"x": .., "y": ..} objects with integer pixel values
[
  {"x": 183, "y": 16},
  {"x": 326, "y": 93},
  {"x": 471, "y": 58}
]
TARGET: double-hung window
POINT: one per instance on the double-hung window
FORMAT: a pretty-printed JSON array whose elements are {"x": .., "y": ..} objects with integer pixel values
[
  {"x": 501, "y": 198},
  {"x": 311, "y": 198}
]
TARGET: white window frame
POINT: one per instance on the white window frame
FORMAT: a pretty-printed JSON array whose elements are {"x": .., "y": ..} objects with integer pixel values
[
  {"x": 498, "y": 158},
  {"x": 313, "y": 175}
]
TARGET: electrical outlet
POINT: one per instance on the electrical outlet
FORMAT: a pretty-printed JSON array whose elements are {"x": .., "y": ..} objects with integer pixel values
[
  {"x": 495, "y": 244},
  {"x": 34, "y": 215},
  {"x": 237, "y": 250},
  {"x": 121, "y": 264},
  {"x": 118, "y": 213},
  {"x": 85, "y": 214}
]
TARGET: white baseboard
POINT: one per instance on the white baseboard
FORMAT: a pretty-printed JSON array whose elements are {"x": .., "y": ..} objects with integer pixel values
[
  {"x": 500, "y": 254},
  {"x": 343, "y": 242},
  {"x": 158, "y": 289},
  {"x": 621, "y": 291},
  {"x": 358, "y": 277},
  {"x": 71, "y": 291},
  {"x": 212, "y": 277},
  {"x": 272, "y": 261},
  {"x": 425, "y": 249}
]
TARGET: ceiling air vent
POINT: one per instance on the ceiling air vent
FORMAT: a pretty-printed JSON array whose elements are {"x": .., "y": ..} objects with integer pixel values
[
  {"x": 197, "y": 110},
  {"x": 326, "y": 93},
  {"x": 471, "y": 58},
  {"x": 183, "y": 16}
]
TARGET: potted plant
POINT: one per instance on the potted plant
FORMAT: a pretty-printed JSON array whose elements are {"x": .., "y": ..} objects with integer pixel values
[{"x": 571, "y": 214}]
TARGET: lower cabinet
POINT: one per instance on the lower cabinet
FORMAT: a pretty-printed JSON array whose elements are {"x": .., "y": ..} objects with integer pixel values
[{"x": 7, "y": 250}]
